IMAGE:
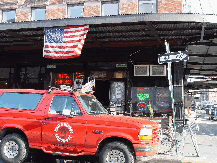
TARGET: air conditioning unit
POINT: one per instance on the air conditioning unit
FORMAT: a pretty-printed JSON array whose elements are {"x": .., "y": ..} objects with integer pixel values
[
  {"x": 158, "y": 70},
  {"x": 141, "y": 70}
]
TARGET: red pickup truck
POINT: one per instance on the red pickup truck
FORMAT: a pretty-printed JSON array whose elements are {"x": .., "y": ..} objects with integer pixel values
[{"x": 65, "y": 123}]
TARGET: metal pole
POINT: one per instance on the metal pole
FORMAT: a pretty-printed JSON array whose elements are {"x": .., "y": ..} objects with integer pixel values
[{"x": 171, "y": 89}]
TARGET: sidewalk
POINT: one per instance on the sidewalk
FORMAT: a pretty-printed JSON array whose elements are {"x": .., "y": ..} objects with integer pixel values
[{"x": 207, "y": 149}]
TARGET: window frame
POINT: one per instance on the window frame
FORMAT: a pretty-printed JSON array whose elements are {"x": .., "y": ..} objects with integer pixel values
[
  {"x": 8, "y": 11},
  {"x": 74, "y": 5},
  {"x": 146, "y": 1},
  {"x": 35, "y": 8},
  {"x": 50, "y": 112},
  {"x": 110, "y": 2},
  {"x": 88, "y": 110}
]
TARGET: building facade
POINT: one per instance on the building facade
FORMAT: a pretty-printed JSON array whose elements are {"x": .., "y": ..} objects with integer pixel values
[{"x": 126, "y": 68}]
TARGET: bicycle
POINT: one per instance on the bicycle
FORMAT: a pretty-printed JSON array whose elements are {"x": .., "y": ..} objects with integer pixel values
[{"x": 168, "y": 142}]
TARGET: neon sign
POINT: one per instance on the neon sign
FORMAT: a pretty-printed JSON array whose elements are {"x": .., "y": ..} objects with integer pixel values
[
  {"x": 62, "y": 79},
  {"x": 162, "y": 104},
  {"x": 79, "y": 75},
  {"x": 142, "y": 96},
  {"x": 142, "y": 106}
]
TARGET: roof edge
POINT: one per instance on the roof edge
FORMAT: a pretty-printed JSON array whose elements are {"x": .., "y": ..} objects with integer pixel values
[{"x": 167, "y": 17}]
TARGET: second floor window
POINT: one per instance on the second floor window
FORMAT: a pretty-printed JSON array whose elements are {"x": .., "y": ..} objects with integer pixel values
[
  {"x": 147, "y": 6},
  {"x": 9, "y": 16},
  {"x": 75, "y": 11},
  {"x": 110, "y": 8},
  {"x": 38, "y": 13}
]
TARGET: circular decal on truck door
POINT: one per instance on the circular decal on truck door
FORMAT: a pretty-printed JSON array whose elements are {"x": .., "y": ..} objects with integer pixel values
[{"x": 63, "y": 131}]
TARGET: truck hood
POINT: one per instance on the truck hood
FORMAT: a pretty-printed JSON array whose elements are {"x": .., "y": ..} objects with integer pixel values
[{"x": 122, "y": 121}]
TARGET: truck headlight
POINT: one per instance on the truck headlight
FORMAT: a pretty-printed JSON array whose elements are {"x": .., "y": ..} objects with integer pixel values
[{"x": 145, "y": 133}]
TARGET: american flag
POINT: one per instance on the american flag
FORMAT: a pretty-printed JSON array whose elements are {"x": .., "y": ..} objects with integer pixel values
[
  {"x": 88, "y": 86},
  {"x": 64, "y": 42}
]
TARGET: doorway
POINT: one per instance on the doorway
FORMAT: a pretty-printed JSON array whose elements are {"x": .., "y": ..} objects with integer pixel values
[{"x": 102, "y": 91}]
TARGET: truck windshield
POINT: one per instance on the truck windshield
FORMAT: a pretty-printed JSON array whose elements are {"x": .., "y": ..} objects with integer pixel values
[{"x": 92, "y": 105}]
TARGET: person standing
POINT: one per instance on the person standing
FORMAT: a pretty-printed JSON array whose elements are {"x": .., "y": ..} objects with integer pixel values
[{"x": 150, "y": 110}]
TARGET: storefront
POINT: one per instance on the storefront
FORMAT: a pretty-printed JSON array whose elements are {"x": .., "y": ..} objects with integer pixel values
[
  {"x": 117, "y": 84},
  {"x": 121, "y": 53},
  {"x": 110, "y": 79}
]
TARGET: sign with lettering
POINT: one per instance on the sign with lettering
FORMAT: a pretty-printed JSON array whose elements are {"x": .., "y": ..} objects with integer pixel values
[
  {"x": 159, "y": 97},
  {"x": 173, "y": 57},
  {"x": 63, "y": 132},
  {"x": 51, "y": 66},
  {"x": 121, "y": 65}
]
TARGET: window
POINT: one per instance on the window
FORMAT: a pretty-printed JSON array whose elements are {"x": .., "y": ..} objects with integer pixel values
[
  {"x": 61, "y": 104},
  {"x": 92, "y": 105},
  {"x": 147, "y": 6},
  {"x": 32, "y": 74},
  {"x": 9, "y": 16},
  {"x": 158, "y": 70},
  {"x": 23, "y": 101},
  {"x": 110, "y": 8},
  {"x": 38, "y": 13},
  {"x": 141, "y": 70},
  {"x": 75, "y": 11}
]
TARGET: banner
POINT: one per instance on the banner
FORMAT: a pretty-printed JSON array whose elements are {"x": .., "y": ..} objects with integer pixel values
[{"x": 64, "y": 42}]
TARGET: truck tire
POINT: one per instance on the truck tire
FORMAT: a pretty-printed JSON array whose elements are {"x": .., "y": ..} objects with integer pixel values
[
  {"x": 13, "y": 148},
  {"x": 116, "y": 152}
]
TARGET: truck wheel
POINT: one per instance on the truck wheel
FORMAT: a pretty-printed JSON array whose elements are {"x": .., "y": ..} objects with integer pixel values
[
  {"x": 13, "y": 148},
  {"x": 116, "y": 152}
]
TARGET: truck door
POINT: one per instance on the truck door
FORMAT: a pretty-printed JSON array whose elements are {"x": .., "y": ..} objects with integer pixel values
[{"x": 62, "y": 132}]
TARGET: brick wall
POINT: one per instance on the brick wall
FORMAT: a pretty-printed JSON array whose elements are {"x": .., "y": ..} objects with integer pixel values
[
  {"x": 9, "y": 4},
  {"x": 169, "y": 6},
  {"x": 75, "y": 1},
  {"x": 92, "y": 9},
  {"x": 128, "y": 7},
  {"x": 58, "y": 11},
  {"x": 53, "y": 2},
  {"x": 23, "y": 14}
]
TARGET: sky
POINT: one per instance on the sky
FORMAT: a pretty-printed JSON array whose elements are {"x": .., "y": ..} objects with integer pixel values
[{"x": 203, "y": 6}]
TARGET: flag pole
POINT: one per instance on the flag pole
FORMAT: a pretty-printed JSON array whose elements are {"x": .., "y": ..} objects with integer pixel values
[{"x": 171, "y": 89}]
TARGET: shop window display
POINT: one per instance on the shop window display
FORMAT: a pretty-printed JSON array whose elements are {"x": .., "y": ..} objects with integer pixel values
[{"x": 158, "y": 97}]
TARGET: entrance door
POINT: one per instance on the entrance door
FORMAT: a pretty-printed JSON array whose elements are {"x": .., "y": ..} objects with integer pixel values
[
  {"x": 102, "y": 91},
  {"x": 61, "y": 132}
]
